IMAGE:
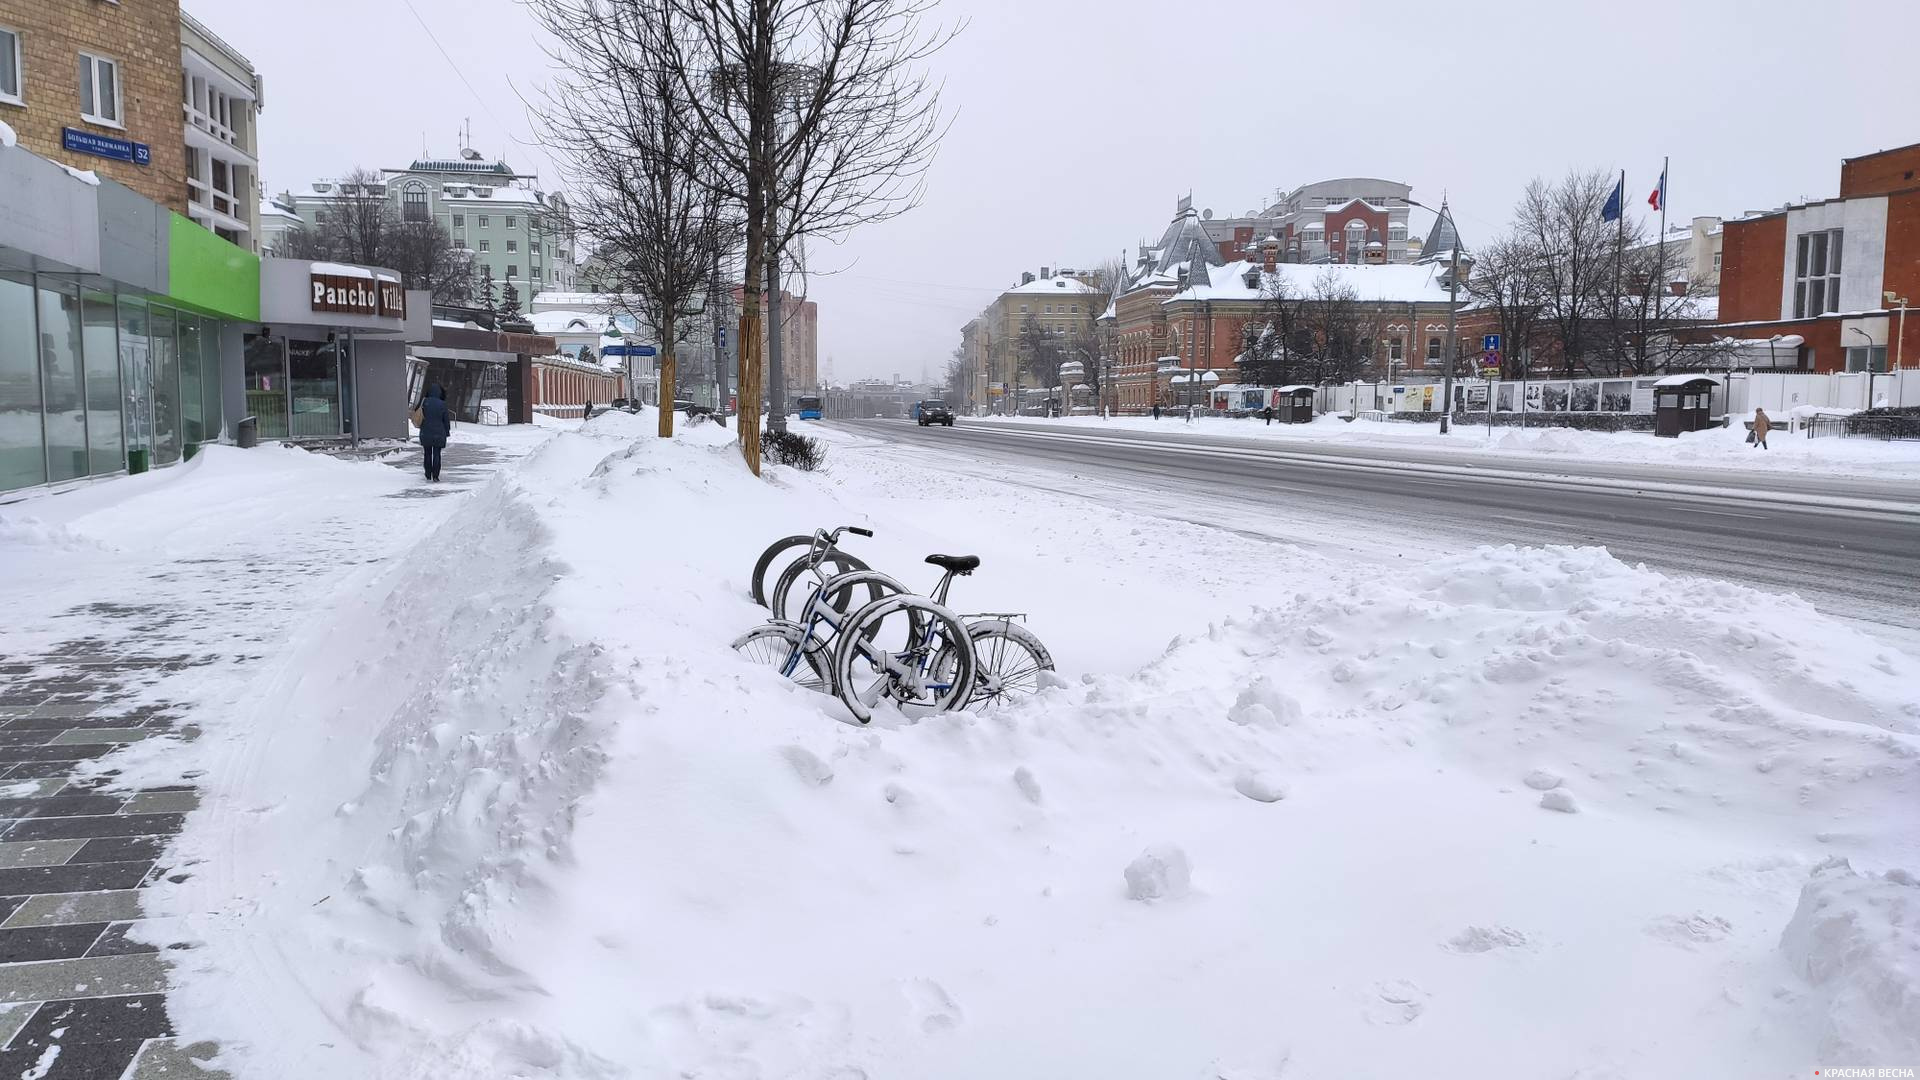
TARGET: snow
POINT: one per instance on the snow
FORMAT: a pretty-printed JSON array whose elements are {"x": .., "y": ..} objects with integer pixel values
[
  {"x": 342, "y": 270},
  {"x": 1715, "y": 448},
  {"x": 1399, "y": 283},
  {"x": 500, "y": 802},
  {"x": 7, "y": 137},
  {"x": 85, "y": 176}
]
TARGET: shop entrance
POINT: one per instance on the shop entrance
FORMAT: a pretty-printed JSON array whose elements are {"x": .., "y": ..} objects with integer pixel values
[{"x": 299, "y": 388}]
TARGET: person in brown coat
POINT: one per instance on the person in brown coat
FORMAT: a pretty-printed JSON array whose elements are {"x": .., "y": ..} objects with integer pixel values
[{"x": 1761, "y": 425}]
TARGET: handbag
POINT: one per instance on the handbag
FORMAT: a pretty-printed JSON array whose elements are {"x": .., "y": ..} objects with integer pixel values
[
  {"x": 417, "y": 416},
  {"x": 1750, "y": 436}
]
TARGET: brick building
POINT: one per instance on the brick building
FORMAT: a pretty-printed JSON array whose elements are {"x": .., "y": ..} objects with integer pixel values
[
  {"x": 1352, "y": 219},
  {"x": 1819, "y": 286},
  {"x": 81, "y": 73},
  {"x": 1182, "y": 327}
]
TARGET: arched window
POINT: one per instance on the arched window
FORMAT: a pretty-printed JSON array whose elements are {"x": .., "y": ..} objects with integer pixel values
[
  {"x": 413, "y": 202},
  {"x": 1356, "y": 239}
]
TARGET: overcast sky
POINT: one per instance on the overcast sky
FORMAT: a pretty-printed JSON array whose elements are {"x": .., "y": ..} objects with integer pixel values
[{"x": 1077, "y": 123}]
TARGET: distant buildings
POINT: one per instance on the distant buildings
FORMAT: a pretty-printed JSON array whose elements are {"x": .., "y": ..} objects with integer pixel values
[
  {"x": 1349, "y": 220},
  {"x": 516, "y": 233}
]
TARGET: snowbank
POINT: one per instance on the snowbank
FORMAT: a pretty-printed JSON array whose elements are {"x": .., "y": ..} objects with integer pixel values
[
  {"x": 1856, "y": 939},
  {"x": 514, "y": 809},
  {"x": 1714, "y": 448}
]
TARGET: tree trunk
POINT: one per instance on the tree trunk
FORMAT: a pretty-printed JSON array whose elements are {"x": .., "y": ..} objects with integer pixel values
[
  {"x": 669, "y": 372},
  {"x": 748, "y": 415}
]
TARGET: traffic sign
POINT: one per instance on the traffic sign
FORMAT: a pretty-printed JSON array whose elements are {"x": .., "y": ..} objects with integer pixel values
[
  {"x": 719, "y": 337},
  {"x": 1491, "y": 343}
]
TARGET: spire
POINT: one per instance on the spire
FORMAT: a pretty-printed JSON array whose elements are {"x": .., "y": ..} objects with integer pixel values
[{"x": 1442, "y": 238}]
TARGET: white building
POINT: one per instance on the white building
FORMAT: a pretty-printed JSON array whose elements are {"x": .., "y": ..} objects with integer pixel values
[{"x": 221, "y": 96}]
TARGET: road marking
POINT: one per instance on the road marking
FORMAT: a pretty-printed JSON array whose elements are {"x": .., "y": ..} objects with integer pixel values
[{"x": 1721, "y": 513}]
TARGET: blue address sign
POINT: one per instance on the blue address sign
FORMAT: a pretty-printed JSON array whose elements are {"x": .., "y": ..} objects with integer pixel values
[{"x": 106, "y": 146}]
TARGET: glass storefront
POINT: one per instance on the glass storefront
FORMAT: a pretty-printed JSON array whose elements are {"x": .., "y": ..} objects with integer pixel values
[
  {"x": 23, "y": 448},
  {"x": 86, "y": 377},
  {"x": 300, "y": 389}
]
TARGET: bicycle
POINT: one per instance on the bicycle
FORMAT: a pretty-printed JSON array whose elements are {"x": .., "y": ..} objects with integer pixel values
[
  {"x": 778, "y": 600},
  {"x": 798, "y": 648},
  {"x": 1015, "y": 657}
]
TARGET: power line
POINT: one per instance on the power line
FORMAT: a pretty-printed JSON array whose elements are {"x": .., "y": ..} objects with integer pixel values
[{"x": 456, "y": 67}]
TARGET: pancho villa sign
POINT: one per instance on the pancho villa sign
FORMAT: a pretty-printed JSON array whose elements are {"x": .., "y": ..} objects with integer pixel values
[{"x": 346, "y": 295}]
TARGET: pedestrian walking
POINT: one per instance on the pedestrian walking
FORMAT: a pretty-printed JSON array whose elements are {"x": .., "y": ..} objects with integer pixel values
[
  {"x": 586, "y": 413},
  {"x": 1156, "y": 410},
  {"x": 1761, "y": 425},
  {"x": 435, "y": 425},
  {"x": 1267, "y": 415}
]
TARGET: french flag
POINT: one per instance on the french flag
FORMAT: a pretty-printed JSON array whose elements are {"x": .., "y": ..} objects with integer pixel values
[{"x": 1659, "y": 192}]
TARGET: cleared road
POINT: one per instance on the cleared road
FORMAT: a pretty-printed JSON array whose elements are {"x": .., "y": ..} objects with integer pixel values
[{"x": 1849, "y": 545}]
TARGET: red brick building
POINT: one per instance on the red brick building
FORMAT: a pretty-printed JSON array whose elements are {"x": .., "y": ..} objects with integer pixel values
[
  {"x": 1818, "y": 286},
  {"x": 1181, "y": 324}
]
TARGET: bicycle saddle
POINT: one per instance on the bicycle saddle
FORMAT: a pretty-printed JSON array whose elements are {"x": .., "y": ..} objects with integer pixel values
[{"x": 956, "y": 564}]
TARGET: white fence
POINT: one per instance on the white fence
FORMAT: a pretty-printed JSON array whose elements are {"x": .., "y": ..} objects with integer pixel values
[{"x": 1738, "y": 393}]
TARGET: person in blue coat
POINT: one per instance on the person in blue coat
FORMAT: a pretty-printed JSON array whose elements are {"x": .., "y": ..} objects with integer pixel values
[{"x": 435, "y": 426}]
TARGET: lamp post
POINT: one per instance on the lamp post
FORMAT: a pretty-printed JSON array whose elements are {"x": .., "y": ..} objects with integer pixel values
[
  {"x": 1868, "y": 365},
  {"x": 1900, "y": 333},
  {"x": 1453, "y": 311}
]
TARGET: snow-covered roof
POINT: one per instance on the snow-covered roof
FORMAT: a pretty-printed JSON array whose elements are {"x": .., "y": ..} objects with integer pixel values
[
  {"x": 1396, "y": 283},
  {"x": 271, "y": 209},
  {"x": 1063, "y": 286},
  {"x": 496, "y": 196},
  {"x": 567, "y": 322},
  {"x": 349, "y": 270},
  {"x": 1294, "y": 387},
  {"x": 1680, "y": 380},
  {"x": 1205, "y": 377}
]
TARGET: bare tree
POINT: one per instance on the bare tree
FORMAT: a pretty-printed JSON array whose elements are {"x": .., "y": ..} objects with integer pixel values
[
  {"x": 1270, "y": 340},
  {"x": 1574, "y": 254},
  {"x": 622, "y": 123},
  {"x": 360, "y": 225},
  {"x": 815, "y": 108},
  {"x": 1042, "y": 352},
  {"x": 1507, "y": 280}
]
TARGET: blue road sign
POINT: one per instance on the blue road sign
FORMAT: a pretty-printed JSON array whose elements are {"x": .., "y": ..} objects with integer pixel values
[
  {"x": 1490, "y": 343},
  {"x": 641, "y": 350},
  {"x": 106, "y": 146},
  {"x": 720, "y": 337}
]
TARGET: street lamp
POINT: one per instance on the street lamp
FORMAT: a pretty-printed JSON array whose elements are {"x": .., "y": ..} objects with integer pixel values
[
  {"x": 1868, "y": 366},
  {"x": 1453, "y": 310},
  {"x": 1900, "y": 334}
]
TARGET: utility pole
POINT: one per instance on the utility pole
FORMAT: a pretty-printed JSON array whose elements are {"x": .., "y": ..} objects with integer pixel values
[{"x": 1453, "y": 312}]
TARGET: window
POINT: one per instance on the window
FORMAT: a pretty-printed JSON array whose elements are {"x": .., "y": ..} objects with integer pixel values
[
  {"x": 10, "y": 66},
  {"x": 1023, "y": 309},
  {"x": 486, "y": 245},
  {"x": 513, "y": 222},
  {"x": 1397, "y": 232},
  {"x": 1395, "y": 349},
  {"x": 1867, "y": 358},
  {"x": 99, "y": 90},
  {"x": 1716, "y": 262},
  {"x": 1433, "y": 350},
  {"x": 483, "y": 221},
  {"x": 513, "y": 246},
  {"x": 319, "y": 217},
  {"x": 413, "y": 202},
  {"x": 512, "y": 271},
  {"x": 1816, "y": 274},
  {"x": 1076, "y": 309},
  {"x": 459, "y": 221}
]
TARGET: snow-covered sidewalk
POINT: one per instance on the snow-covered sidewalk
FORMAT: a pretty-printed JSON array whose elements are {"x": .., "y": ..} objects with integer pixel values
[
  {"x": 1718, "y": 448},
  {"x": 504, "y": 803}
]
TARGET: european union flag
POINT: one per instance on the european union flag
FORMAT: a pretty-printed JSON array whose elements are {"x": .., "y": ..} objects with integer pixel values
[{"x": 1611, "y": 211}]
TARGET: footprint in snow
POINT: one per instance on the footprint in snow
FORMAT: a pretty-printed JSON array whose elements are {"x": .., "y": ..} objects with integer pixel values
[
  {"x": 1479, "y": 939},
  {"x": 1688, "y": 931},
  {"x": 933, "y": 1008},
  {"x": 1395, "y": 1003}
]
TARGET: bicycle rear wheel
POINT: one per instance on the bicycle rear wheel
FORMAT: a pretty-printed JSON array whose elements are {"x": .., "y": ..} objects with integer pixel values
[
  {"x": 783, "y": 646},
  {"x": 889, "y": 651},
  {"x": 1008, "y": 662}
]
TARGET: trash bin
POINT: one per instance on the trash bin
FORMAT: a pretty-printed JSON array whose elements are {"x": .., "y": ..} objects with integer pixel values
[
  {"x": 247, "y": 432},
  {"x": 136, "y": 461}
]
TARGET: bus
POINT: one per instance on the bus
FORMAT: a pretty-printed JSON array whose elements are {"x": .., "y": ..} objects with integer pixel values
[{"x": 809, "y": 407}]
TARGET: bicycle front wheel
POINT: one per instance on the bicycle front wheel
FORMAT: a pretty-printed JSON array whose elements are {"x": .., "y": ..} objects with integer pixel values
[
  {"x": 783, "y": 647},
  {"x": 906, "y": 650},
  {"x": 797, "y": 584}
]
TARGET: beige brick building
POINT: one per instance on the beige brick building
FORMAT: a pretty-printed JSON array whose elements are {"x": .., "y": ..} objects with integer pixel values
[{"x": 104, "y": 71}]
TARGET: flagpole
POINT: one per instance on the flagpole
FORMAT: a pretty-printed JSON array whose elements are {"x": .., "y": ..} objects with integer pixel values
[
  {"x": 1619, "y": 256},
  {"x": 1660, "y": 293}
]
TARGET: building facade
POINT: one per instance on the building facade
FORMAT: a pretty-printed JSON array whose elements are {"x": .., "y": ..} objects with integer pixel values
[
  {"x": 1348, "y": 220},
  {"x": 221, "y": 96},
  {"x": 1821, "y": 286},
  {"x": 97, "y": 87},
  {"x": 517, "y": 234}
]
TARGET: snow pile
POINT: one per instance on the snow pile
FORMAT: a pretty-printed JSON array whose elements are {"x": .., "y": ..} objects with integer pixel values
[
  {"x": 1856, "y": 938},
  {"x": 515, "y": 809},
  {"x": 7, "y": 137}
]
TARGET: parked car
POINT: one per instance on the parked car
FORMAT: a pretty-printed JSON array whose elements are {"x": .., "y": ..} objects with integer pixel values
[
  {"x": 691, "y": 408},
  {"x": 934, "y": 412}
]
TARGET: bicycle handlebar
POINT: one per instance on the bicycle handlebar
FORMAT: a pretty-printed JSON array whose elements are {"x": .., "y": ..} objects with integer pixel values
[
  {"x": 857, "y": 531},
  {"x": 823, "y": 541}
]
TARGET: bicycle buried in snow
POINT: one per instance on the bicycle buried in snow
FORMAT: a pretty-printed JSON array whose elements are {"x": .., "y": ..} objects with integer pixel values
[{"x": 895, "y": 646}]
